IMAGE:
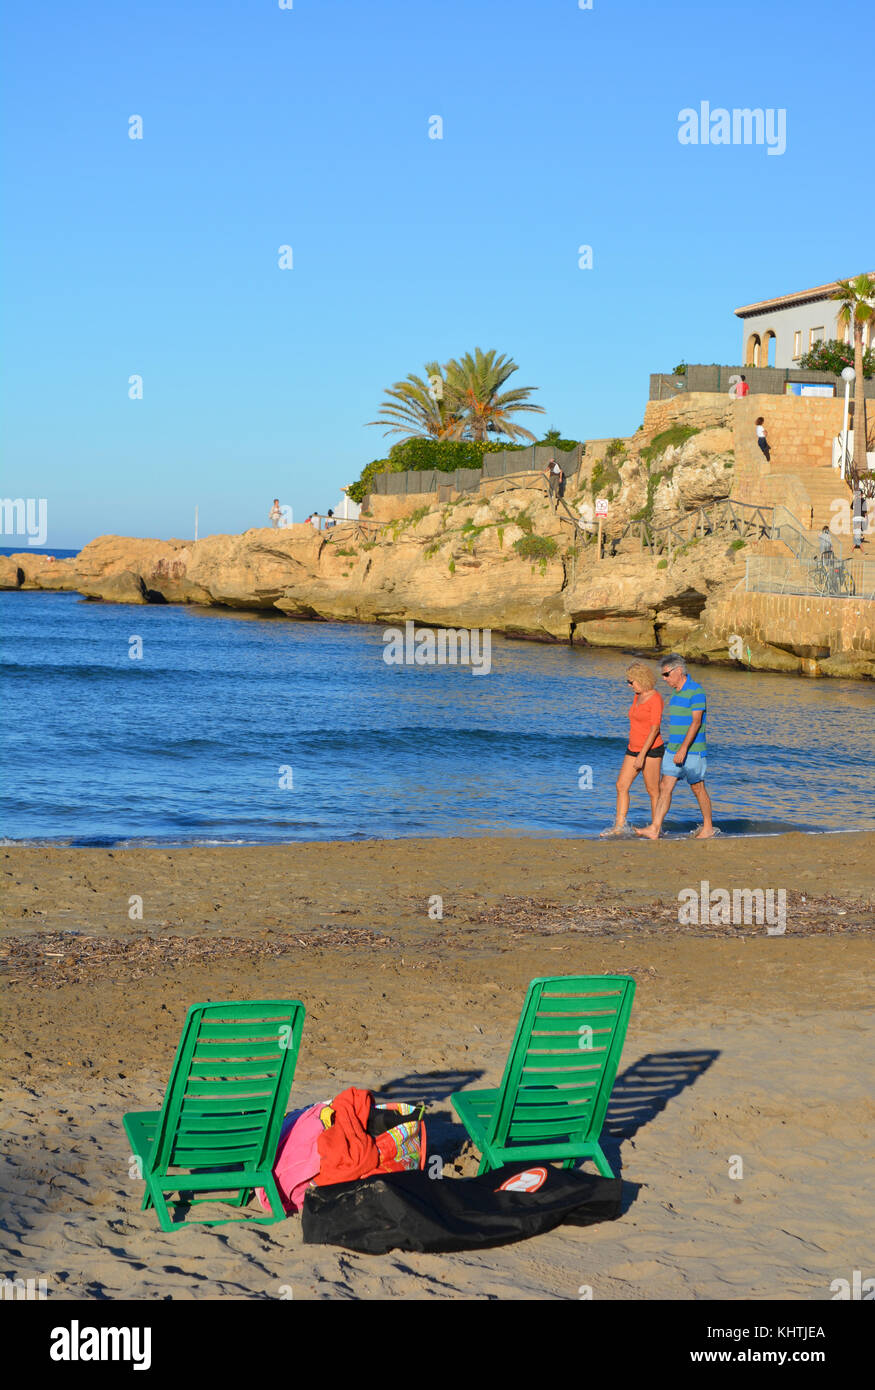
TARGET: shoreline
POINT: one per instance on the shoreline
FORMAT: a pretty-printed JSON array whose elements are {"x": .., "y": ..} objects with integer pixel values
[
  {"x": 150, "y": 842},
  {"x": 243, "y": 888}
]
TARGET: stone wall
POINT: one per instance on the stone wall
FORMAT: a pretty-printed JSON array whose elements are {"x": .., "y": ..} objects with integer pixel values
[
  {"x": 800, "y": 431},
  {"x": 394, "y": 507},
  {"x": 701, "y": 409},
  {"x": 797, "y": 621}
]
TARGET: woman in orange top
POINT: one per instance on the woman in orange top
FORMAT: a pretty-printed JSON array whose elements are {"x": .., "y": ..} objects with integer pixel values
[{"x": 645, "y": 748}]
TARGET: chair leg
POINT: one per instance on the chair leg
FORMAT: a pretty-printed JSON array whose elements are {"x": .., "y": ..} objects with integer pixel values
[
  {"x": 601, "y": 1162},
  {"x": 273, "y": 1196},
  {"x": 161, "y": 1208}
]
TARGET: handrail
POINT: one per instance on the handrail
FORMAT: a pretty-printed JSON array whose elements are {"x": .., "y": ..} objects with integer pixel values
[{"x": 703, "y": 520}]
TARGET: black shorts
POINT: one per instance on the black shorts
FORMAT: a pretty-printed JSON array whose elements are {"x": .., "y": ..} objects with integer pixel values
[{"x": 651, "y": 752}]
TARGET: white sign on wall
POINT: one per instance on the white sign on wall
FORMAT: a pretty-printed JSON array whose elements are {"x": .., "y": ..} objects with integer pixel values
[{"x": 601, "y": 506}]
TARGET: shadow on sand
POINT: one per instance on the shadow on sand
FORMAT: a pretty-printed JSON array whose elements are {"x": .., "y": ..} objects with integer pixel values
[{"x": 640, "y": 1093}]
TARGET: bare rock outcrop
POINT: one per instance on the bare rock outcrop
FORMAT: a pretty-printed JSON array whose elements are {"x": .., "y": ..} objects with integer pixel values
[{"x": 500, "y": 558}]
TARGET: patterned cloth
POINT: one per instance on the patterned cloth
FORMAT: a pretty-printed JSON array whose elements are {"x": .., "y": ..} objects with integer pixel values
[
  {"x": 403, "y": 1147},
  {"x": 681, "y": 707}
]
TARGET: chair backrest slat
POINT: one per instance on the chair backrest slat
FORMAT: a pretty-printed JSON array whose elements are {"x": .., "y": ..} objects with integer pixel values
[
  {"x": 229, "y": 1085},
  {"x": 563, "y": 1059}
]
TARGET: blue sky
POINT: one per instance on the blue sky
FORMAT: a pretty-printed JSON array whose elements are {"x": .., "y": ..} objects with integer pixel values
[{"x": 308, "y": 127}]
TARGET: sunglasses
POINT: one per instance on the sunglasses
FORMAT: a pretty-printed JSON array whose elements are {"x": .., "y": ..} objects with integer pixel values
[{"x": 665, "y": 675}]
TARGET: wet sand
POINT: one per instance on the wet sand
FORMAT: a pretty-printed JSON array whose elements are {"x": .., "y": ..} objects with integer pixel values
[{"x": 740, "y": 1044}]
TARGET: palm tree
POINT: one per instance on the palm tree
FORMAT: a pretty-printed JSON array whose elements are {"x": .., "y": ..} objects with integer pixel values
[
  {"x": 417, "y": 408},
  {"x": 480, "y": 406},
  {"x": 857, "y": 298}
]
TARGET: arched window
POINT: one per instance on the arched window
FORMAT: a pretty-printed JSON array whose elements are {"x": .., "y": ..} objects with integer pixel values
[
  {"x": 769, "y": 349},
  {"x": 752, "y": 355}
]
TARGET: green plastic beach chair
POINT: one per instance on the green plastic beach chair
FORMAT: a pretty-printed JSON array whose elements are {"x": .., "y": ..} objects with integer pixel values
[
  {"x": 560, "y": 1070},
  {"x": 218, "y": 1129}
]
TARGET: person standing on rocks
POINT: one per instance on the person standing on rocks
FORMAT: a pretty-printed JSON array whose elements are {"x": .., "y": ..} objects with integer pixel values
[
  {"x": 761, "y": 438},
  {"x": 685, "y": 755},
  {"x": 275, "y": 514}
]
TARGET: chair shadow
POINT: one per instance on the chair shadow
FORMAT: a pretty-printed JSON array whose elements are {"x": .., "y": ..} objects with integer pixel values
[
  {"x": 640, "y": 1093},
  {"x": 644, "y": 1090},
  {"x": 445, "y": 1134}
]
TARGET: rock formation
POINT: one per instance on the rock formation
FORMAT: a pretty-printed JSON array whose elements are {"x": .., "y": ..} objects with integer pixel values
[{"x": 500, "y": 558}]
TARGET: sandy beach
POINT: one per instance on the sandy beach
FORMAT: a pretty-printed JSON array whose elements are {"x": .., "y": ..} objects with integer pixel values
[{"x": 740, "y": 1044}]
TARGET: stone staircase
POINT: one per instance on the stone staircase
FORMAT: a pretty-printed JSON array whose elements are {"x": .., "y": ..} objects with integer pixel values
[{"x": 824, "y": 489}]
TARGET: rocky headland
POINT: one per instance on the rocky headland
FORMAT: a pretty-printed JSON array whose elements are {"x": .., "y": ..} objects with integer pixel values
[{"x": 505, "y": 558}]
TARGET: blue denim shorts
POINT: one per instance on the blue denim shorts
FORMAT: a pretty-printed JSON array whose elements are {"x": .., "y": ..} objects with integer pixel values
[{"x": 691, "y": 770}]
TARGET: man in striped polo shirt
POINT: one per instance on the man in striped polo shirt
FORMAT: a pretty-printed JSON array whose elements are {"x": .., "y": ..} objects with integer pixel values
[{"x": 684, "y": 758}]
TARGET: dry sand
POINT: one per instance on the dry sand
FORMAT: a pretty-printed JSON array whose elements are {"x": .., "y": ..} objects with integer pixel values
[{"x": 740, "y": 1044}]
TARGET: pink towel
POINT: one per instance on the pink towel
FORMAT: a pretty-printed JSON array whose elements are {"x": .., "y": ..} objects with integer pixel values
[{"x": 297, "y": 1157}]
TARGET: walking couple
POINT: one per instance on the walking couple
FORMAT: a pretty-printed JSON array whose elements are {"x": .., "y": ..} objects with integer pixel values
[{"x": 664, "y": 765}]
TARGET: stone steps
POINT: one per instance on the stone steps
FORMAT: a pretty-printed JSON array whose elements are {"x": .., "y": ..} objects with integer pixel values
[{"x": 824, "y": 489}]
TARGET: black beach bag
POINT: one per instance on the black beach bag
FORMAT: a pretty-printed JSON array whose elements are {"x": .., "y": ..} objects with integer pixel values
[{"x": 412, "y": 1211}]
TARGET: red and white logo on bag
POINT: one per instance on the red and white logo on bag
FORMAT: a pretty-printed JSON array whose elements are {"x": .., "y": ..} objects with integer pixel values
[{"x": 527, "y": 1181}]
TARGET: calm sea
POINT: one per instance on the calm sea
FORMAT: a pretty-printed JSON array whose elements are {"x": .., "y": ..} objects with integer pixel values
[{"x": 236, "y": 729}]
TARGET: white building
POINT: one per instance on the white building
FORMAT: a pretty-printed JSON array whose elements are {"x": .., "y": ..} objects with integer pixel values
[
  {"x": 346, "y": 509},
  {"x": 777, "y": 332}
]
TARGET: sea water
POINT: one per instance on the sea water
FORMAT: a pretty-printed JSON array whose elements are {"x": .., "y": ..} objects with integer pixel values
[{"x": 241, "y": 728}]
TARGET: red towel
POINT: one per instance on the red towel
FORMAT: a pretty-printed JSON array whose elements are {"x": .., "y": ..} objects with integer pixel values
[{"x": 346, "y": 1150}]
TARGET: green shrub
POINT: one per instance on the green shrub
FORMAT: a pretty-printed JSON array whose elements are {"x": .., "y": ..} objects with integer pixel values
[
  {"x": 525, "y": 523},
  {"x": 834, "y": 356},
  {"x": 604, "y": 474},
  {"x": 445, "y": 455},
  {"x": 553, "y": 440},
  {"x": 662, "y": 565},
  {"x": 535, "y": 547},
  {"x": 345, "y": 552},
  {"x": 653, "y": 481},
  {"x": 452, "y": 567},
  {"x": 737, "y": 543},
  {"x": 674, "y": 435},
  {"x": 365, "y": 483}
]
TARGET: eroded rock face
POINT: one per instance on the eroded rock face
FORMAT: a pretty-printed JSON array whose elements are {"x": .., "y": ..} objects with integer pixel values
[
  {"x": 701, "y": 472},
  {"x": 29, "y": 571},
  {"x": 653, "y": 604}
]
